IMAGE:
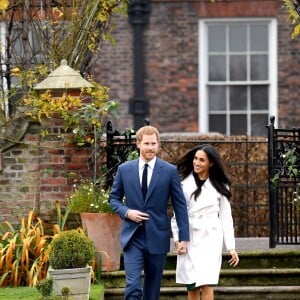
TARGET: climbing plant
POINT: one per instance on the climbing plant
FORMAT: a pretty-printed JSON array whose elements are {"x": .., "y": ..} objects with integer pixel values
[
  {"x": 293, "y": 7},
  {"x": 289, "y": 169},
  {"x": 83, "y": 122}
]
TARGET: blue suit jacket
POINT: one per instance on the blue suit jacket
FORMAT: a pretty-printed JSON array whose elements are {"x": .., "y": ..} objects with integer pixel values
[{"x": 165, "y": 184}]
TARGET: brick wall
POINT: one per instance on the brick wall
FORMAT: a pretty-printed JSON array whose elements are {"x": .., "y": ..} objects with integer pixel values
[
  {"x": 237, "y": 8},
  {"x": 19, "y": 180},
  {"x": 289, "y": 74},
  {"x": 37, "y": 172}
]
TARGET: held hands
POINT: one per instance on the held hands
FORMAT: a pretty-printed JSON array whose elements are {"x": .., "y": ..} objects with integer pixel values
[
  {"x": 234, "y": 258},
  {"x": 181, "y": 247},
  {"x": 136, "y": 216}
]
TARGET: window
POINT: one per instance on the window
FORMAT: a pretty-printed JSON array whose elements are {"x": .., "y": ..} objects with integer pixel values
[{"x": 237, "y": 75}]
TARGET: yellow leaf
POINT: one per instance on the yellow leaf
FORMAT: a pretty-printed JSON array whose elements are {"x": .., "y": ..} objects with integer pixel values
[
  {"x": 15, "y": 71},
  {"x": 4, "y": 5}
]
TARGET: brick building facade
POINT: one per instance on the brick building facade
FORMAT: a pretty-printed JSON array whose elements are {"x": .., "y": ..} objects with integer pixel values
[{"x": 172, "y": 68}]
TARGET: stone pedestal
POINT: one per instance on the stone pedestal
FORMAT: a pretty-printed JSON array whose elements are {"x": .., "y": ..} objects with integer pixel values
[{"x": 78, "y": 280}]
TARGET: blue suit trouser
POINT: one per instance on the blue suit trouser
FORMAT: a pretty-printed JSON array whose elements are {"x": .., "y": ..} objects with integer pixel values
[{"x": 136, "y": 259}]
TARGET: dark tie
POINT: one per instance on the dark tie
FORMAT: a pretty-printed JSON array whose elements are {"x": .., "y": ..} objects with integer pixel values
[{"x": 144, "y": 181}]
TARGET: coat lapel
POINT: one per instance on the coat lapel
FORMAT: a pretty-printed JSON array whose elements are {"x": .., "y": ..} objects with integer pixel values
[{"x": 135, "y": 177}]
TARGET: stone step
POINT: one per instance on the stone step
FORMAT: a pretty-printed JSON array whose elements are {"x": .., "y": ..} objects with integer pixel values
[
  {"x": 222, "y": 293},
  {"x": 250, "y": 259},
  {"x": 260, "y": 277},
  {"x": 255, "y": 259},
  {"x": 228, "y": 277},
  {"x": 261, "y": 274}
]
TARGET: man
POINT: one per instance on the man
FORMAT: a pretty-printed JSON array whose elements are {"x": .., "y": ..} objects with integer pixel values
[{"x": 145, "y": 234}]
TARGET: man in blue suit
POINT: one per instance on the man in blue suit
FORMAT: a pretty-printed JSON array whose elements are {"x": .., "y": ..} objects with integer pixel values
[{"x": 145, "y": 234}]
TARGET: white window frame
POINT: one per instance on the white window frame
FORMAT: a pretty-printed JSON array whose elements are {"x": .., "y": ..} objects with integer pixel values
[
  {"x": 203, "y": 68},
  {"x": 4, "y": 104}
]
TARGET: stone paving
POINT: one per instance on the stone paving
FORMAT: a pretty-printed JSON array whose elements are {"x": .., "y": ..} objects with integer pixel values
[
  {"x": 254, "y": 244},
  {"x": 249, "y": 244}
]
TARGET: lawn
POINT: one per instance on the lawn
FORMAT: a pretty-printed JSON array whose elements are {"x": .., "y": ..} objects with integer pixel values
[{"x": 31, "y": 293}]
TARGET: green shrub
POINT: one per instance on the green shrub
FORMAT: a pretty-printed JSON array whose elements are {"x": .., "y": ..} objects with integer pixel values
[
  {"x": 45, "y": 287},
  {"x": 71, "y": 249}
]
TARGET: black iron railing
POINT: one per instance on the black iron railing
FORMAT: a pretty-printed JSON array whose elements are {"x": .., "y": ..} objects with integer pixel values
[{"x": 284, "y": 184}]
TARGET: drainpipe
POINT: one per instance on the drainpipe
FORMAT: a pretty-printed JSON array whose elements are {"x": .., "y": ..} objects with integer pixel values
[{"x": 139, "y": 12}]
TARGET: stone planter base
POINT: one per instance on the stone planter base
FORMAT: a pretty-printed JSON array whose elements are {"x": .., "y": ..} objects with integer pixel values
[{"x": 78, "y": 280}]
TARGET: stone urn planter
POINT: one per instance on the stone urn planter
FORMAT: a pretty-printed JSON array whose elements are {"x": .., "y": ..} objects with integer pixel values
[
  {"x": 104, "y": 230},
  {"x": 77, "y": 280},
  {"x": 70, "y": 256}
]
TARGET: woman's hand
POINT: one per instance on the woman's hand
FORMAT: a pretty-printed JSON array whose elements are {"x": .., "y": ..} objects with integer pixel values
[
  {"x": 234, "y": 258},
  {"x": 180, "y": 247}
]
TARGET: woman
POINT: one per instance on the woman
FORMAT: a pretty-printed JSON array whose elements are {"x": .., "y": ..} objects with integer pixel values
[{"x": 206, "y": 190}]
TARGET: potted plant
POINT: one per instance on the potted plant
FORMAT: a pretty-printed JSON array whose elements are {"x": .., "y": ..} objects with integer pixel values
[
  {"x": 102, "y": 225},
  {"x": 70, "y": 256}
]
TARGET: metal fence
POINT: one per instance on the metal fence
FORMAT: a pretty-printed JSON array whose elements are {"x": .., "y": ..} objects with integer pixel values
[
  {"x": 284, "y": 184},
  {"x": 118, "y": 147},
  {"x": 247, "y": 166}
]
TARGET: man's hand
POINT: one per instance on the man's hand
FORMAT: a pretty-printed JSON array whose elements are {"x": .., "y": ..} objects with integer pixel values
[{"x": 136, "y": 216}]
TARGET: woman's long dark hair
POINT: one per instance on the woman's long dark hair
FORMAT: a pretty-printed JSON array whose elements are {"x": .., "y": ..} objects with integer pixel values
[{"x": 217, "y": 174}]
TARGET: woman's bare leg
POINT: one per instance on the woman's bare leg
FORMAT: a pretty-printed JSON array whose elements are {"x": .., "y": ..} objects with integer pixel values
[
  {"x": 194, "y": 294},
  {"x": 207, "y": 292}
]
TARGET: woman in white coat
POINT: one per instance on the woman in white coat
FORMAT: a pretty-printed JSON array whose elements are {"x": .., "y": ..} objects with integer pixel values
[{"x": 206, "y": 190}]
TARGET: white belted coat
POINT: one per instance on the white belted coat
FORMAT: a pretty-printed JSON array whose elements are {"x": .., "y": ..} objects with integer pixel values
[{"x": 211, "y": 224}]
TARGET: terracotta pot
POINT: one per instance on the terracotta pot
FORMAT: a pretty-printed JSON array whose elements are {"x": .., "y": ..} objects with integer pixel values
[{"x": 104, "y": 230}]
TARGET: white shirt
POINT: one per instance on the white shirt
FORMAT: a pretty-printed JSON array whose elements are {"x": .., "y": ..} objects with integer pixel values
[{"x": 151, "y": 164}]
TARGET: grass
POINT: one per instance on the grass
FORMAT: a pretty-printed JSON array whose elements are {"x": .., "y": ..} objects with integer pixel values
[{"x": 31, "y": 293}]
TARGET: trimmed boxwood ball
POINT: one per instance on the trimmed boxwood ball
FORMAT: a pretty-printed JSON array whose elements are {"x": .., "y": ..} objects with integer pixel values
[{"x": 71, "y": 249}]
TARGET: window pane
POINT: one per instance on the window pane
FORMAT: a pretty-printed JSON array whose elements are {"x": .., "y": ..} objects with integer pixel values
[
  {"x": 216, "y": 38},
  {"x": 238, "y": 97},
  {"x": 259, "y": 37},
  {"x": 238, "y": 67},
  {"x": 217, "y": 98},
  {"x": 217, "y": 123},
  {"x": 238, "y": 37},
  {"x": 259, "y": 97},
  {"x": 258, "y": 125},
  {"x": 217, "y": 68},
  {"x": 259, "y": 67},
  {"x": 238, "y": 124}
]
